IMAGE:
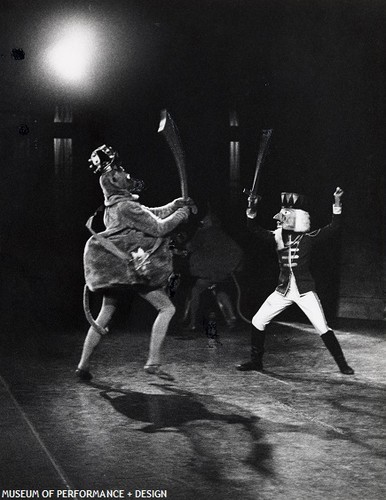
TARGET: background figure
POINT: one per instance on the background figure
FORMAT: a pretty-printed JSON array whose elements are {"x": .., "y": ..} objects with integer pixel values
[
  {"x": 211, "y": 330},
  {"x": 180, "y": 265},
  {"x": 214, "y": 256},
  {"x": 133, "y": 251},
  {"x": 293, "y": 242}
]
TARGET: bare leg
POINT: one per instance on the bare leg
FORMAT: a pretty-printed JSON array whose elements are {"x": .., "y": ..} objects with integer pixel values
[
  {"x": 198, "y": 288},
  {"x": 160, "y": 300},
  {"x": 226, "y": 307},
  {"x": 93, "y": 338}
]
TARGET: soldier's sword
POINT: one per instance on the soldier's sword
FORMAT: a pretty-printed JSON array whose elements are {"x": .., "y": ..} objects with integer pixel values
[
  {"x": 263, "y": 148},
  {"x": 169, "y": 130}
]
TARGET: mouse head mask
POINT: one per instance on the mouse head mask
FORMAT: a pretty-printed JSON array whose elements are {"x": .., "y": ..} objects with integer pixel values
[{"x": 114, "y": 178}]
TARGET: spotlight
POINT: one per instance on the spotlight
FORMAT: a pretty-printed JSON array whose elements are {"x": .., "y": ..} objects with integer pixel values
[{"x": 71, "y": 56}]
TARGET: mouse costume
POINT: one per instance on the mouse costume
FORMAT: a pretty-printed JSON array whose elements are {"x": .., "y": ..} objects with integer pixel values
[
  {"x": 293, "y": 243},
  {"x": 133, "y": 251},
  {"x": 139, "y": 235}
]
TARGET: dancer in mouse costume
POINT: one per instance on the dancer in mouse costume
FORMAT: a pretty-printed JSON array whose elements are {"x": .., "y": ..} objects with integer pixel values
[
  {"x": 132, "y": 252},
  {"x": 293, "y": 243}
]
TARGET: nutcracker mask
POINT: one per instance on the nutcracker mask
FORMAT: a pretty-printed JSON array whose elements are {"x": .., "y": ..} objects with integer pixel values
[{"x": 293, "y": 216}]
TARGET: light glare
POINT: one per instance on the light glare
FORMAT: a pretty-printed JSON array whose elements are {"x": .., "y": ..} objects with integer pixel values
[{"x": 71, "y": 56}]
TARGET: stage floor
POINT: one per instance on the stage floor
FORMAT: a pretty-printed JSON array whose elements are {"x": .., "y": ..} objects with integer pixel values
[{"x": 300, "y": 431}]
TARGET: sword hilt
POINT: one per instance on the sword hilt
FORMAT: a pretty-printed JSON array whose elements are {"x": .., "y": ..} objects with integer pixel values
[
  {"x": 193, "y": 207},
  {"x": 253, "y": 198}
]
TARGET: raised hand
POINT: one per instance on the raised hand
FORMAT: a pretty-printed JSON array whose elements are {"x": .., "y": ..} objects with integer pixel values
[
  {"x": 338, "y": 192},
  {"x": 337, "y": 196},
  {"x": 251, "y": 211}
]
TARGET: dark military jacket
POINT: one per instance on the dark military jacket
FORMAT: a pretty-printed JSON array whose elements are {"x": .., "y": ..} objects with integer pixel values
[{"x": 294, "y": 252}]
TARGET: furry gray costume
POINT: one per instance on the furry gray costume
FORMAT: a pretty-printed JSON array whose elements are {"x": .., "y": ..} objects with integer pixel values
[
  {"x": 136, "y": 231},
  {"x": 133, "y": 251}
]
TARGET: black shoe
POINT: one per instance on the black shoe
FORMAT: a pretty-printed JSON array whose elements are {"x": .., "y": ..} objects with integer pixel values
[
  {"x": 83, "y": 374},
  {"x": 346, "y": 370},
  {"x": 250, "y": 366}
]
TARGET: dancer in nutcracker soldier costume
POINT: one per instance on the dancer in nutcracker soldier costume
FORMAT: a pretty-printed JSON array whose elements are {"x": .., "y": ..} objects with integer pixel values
[
  {"x": 132, "y": 252},
  {"x": 293, "y": 243}
]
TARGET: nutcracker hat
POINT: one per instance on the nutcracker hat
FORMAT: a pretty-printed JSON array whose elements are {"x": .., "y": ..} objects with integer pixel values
[{"x": 294, "y": 200}]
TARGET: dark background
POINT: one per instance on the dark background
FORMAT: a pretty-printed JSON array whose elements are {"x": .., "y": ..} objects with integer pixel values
[{"x": 312, "y": 71}]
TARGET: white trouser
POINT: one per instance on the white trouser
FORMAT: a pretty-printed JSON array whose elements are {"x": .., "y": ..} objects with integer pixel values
[{"x": 308, "y": 302}]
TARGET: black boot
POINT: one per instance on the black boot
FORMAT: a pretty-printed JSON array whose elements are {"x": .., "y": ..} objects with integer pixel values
[
  {"x": 257, "y": 351},
  {"x": 83, "y": 375},
  {"x": 332, "y": 344}
]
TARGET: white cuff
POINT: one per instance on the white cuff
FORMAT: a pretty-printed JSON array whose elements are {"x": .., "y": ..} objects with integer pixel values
[{"x": 336, "y": 210}]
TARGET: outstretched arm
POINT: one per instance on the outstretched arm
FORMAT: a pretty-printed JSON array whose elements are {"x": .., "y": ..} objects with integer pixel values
[
  {"x": 251, "y": 214},
  {"x": 335, "y": 224},
  {"x": 141, "y": 218},
  {"x": 171, "y": 207}
]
